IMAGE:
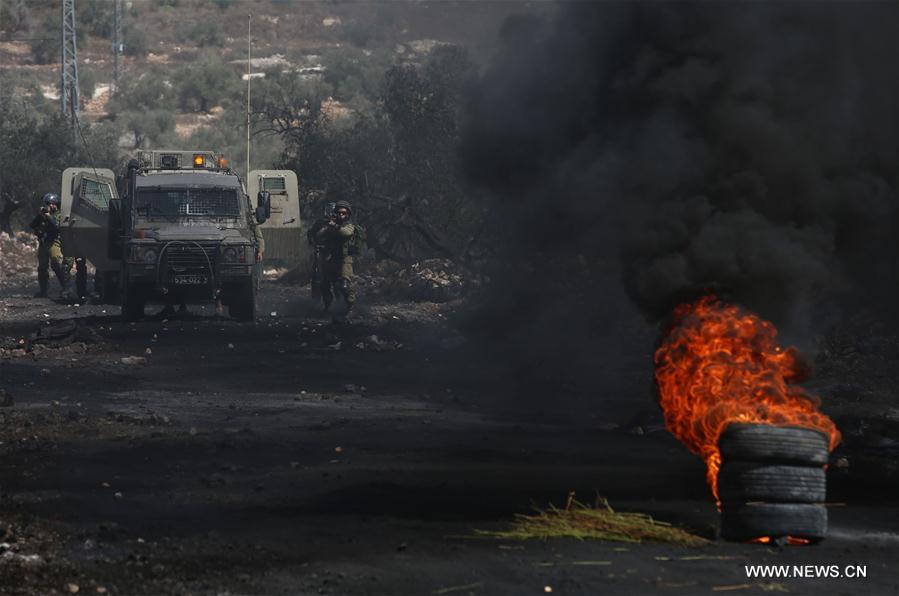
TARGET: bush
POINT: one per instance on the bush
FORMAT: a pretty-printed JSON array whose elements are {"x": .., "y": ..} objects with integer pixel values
[
  {"x": 206, "y": 34},
  {"x": 16, "y": 17},
  {"x": 87, "y": 83},
  {"x": 96, "y": 16},
  {"x": 136, "y": 41},
  {"x": 151, "y": 91},
  {"x": 45, "y": 47},
  {"x": 205, "y": 83}
]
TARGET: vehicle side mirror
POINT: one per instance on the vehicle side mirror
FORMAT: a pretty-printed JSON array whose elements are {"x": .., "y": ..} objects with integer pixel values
[{"x": 263, "y": 206}]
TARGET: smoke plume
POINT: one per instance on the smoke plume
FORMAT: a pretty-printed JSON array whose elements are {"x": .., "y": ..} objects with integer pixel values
[{"x": 669, "y": 148}]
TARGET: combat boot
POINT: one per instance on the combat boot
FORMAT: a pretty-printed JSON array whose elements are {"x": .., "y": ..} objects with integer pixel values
[{"x": 42, "y": 284}]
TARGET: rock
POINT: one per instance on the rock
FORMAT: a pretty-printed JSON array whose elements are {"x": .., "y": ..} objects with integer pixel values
[
  {"x": 132, "y": 360},
  {"x": 72, "y": 588}
]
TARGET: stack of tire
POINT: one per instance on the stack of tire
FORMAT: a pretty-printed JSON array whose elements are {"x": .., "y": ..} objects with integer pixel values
[{"x": 772, "y": 482}]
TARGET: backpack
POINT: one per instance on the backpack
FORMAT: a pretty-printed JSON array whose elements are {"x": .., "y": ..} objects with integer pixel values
[{"x": 356, "y": 244}]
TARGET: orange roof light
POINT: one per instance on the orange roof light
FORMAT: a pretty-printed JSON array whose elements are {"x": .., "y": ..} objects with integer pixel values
[
  {"x": 222, "y": 163},
  {"x": 199, "y": 160}
]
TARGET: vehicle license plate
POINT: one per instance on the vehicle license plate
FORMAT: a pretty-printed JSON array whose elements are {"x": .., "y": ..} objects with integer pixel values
[{"x": 183, "y": 280}]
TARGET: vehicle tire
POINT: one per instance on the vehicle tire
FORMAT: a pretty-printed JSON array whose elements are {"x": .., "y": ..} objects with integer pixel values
[
  {"x": 132, "y": 305},
  {"x": 114, "y": 230},
  {"x": 81, "y": 278},
  {"x": 753, "y": 520},
  {"x": 242, "y": 306},
  {"x": 108, "y": 287},
  {"x": 739, "y": 482},
  {"x": 766, "y": 443}
]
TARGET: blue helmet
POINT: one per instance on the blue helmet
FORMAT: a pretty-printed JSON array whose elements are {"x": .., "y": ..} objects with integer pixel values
[{"x": 51, "y": 198}]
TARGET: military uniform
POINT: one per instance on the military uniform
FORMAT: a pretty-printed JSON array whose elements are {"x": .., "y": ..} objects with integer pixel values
[
  {"x": 337, "y": 262},
  {"x": 49, "y": 250}
]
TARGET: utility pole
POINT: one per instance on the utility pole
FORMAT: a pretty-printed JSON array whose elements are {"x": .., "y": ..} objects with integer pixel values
[
  {"x": 69, "y": 70},
  {"x": 118, "y": 46},
  {"x": 249, "y": 52}
]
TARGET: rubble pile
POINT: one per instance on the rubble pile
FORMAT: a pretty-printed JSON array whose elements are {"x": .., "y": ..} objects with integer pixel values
[
  {"x": 18, "y": 258},
  {"x": 430, "y": 280},
  {"x": 67, "y": 337}
]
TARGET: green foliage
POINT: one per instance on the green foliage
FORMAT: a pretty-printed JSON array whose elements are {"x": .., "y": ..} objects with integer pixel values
[
  {"x": 45, "y": 47},
  {"x": 145, "y": 106},
  {"x": 149, "y": 91},
  {"x": 95, "y": 16},
  {"x": 87, "y": 82},
  {"x": 205, "y": 83},
  {"x": 136, "y": 41},
  {"x": 16, "y": 17},
  {"x": 354, "y": 74},
  {"x": 150, "y": 128},
  {"x": 206, "y": 34},
  {"x": 395, "y": 158},
  {"x": 36, "y": 144}
]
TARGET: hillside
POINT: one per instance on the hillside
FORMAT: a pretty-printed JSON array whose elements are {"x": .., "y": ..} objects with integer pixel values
[{"x": 167, "y": 35}]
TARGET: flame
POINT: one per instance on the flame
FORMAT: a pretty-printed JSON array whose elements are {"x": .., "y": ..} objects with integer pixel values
[
  {"x": 791, "y": 540},
  {"x": 720, "y": 364}
]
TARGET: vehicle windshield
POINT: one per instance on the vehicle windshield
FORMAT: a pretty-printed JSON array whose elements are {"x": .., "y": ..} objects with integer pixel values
[{"x": 187, "y": 202}]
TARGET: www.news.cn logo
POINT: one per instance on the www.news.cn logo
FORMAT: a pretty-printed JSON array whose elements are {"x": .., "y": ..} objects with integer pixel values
[{"x": 806, "y": 571}]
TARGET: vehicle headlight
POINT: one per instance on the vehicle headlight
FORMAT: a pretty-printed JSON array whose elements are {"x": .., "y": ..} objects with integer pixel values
[
  {"x": 145, "y": 254},
  {"x": 235, "y": 254}
]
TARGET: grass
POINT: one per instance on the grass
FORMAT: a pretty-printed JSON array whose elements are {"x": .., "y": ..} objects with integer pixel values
[{"x": 601, "y": 522}]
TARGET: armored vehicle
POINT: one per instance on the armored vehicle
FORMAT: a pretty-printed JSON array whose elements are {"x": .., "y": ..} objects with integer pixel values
[
  {"x": 177, "y": 227},
  {"x": 84, "y": 207},
  {"x": 283, "y": 240}
]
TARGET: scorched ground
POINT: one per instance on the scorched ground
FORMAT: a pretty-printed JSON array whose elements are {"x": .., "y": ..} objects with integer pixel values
[{"x": 293, "y": 457}]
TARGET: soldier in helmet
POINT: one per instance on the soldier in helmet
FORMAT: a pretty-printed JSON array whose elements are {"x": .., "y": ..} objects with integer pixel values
[
  {"x": 337, "y": 257},
  {"x": 49, "y": 250}
]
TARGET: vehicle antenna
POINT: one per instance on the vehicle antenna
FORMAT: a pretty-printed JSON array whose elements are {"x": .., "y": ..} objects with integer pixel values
[{"x": 249, "y": 48}]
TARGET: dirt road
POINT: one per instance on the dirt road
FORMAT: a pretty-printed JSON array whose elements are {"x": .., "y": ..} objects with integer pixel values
[{"x": 296, "y": 457}]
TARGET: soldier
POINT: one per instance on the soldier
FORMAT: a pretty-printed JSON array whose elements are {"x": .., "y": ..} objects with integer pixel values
[
  {"x": 337, "y": 257},
  {"x": 49, "y": 250},
  {"x": 317, "y": 250}
]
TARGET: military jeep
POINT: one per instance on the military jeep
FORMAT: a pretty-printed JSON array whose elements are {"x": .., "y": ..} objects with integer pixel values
[
  {"x": 178, "y": 227},
  {"x": 184, "y": 233}
]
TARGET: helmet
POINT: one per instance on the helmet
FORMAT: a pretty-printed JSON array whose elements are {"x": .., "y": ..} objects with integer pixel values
[
  {"x": 51, "y": 198},
  {"x": 343, "y": 205}
]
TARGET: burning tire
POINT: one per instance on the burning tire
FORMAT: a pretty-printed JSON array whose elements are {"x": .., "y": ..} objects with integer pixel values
[
  {"x": 749, "y": 481},
  {"x": 754, "y": 520},
  {"x": 772, "y": 482},
  {"x": 782, "y": 444}
]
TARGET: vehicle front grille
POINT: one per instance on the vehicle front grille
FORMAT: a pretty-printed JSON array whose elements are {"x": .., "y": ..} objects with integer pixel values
[{"x": 190, "y": 257}]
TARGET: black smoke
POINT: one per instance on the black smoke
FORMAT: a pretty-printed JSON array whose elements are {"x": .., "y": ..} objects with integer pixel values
[{"x": 669, "y": 148}]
